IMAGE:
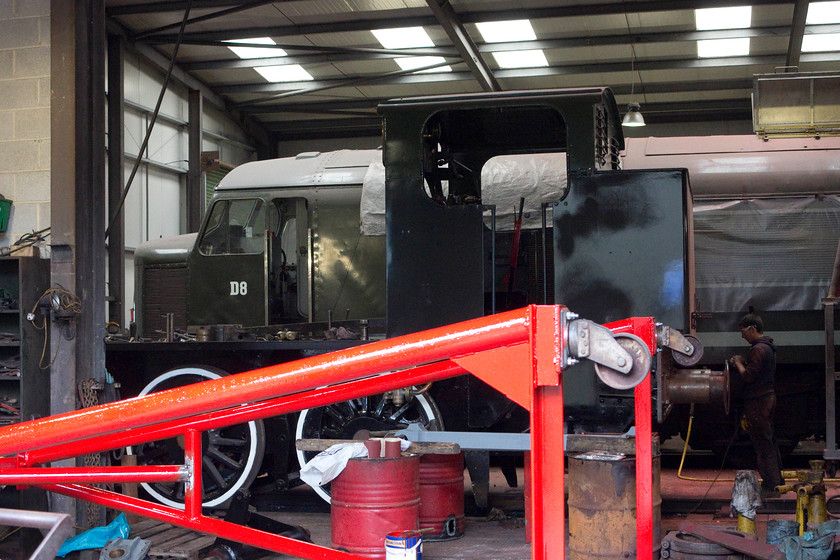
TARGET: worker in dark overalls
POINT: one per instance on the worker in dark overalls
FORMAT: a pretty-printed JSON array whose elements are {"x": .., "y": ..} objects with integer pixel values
[{"x": 758, "y": 375}]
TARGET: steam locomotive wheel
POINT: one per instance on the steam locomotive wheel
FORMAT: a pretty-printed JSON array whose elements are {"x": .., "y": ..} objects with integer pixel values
[
  {"x": 376, "y": 413},
  {"x": 231, "y": 456}
]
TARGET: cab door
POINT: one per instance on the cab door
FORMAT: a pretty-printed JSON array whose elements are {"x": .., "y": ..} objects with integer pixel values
[
  {"x": 229, "y": 266},
  {"x": 289, "y": 286}
]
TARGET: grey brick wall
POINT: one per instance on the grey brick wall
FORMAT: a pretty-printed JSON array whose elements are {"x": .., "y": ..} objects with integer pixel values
[{"x": 25, "y": 114}]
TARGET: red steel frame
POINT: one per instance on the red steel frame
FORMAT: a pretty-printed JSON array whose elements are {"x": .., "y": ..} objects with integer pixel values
[{"x": 521, "y": 353}]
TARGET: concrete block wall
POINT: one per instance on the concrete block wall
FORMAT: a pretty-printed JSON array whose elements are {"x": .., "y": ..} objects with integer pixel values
[{"x": 25, "y": 115}]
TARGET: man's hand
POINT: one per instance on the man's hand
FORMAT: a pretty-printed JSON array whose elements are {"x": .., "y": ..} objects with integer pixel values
[{"x": 737, "y": 361}]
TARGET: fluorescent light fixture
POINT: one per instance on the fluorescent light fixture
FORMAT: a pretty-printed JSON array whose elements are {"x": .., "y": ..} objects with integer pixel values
[
  {"x": 284, "y": 73},
  {"x": 821, "y": 43},
  {"x": 506, "y": 31},
  {"x": 412, "y": 62},
  {"x": 255, "y": 52},
  {"x": 403, "y": 38},
  {"x": 715, "y": 48},
  {"x": 823, "y": 12},
  {"x": 738, "y": 17},
  {"x": 520, "y": 59}
]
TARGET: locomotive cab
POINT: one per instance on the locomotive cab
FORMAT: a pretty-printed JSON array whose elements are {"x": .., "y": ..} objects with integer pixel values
[{"x": 279, "y": 244}]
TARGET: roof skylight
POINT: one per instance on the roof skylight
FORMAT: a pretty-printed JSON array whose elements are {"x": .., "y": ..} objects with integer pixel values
[
  {"x": 284, "y": 73},
  {"x": 712, "y": 48},
  {"x": 403, "y": 38},
  {"x": 256, "y": 52},
  {"x": 738, "y": 17},
  {"x": 506, "y": 31},
  {"x": 823, "y": 12},
  {"x": 520, "y": 59},
  {"x": 410, "y": 38},
  {"x": 414, "y": 62},
  {"x": 821, "y": 43}
]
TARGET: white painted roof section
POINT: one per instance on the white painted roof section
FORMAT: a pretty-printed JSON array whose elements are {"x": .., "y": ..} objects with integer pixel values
[{"x": 310, "y": 169}]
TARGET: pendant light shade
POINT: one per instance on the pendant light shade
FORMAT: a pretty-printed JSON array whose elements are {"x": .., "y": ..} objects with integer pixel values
[{"x": 633, "y": 117}]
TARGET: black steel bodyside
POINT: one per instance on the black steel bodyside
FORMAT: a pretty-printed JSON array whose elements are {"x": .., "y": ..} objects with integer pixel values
[
  {"x": 434, "y": 248},
  {"x": 437, "y": 262},
  {"x": 621, "y": 250}
]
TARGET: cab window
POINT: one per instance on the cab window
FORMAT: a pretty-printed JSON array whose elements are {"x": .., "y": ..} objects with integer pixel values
[{"x": 238, "y": 227}]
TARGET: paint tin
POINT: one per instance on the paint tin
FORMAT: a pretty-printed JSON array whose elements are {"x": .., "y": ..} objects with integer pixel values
[{"x": 401, "y": 545}]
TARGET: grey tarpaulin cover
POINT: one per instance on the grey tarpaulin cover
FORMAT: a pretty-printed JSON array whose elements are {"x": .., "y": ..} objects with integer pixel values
[
  {"x": 813, "y": 545},
  {"x": 538, "y": 178},
  {"x": 775, "y": 254}
]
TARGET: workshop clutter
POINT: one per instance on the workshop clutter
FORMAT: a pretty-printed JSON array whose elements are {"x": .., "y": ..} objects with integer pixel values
[
  {"x": 388, "y": 500},
  {"x": 372, "y": 498}
]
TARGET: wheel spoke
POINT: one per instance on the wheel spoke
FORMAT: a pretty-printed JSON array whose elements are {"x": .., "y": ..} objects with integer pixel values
[
  {"x": 398, "y": 414},
  {"x": 223, "y": 458},
  {"x": 381, "y": 406},
  {"x": 331, "y": 411},
  {"x": 210, "y": 469},
  {"x": 220, "y": 441}
]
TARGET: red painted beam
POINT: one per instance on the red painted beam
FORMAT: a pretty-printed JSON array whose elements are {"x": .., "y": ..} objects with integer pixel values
[{"x": 93, "y": 475}]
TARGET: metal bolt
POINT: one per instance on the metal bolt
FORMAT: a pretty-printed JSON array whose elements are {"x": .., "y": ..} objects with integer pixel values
[
  {"x": 621, "y": 362},
  {"x": 687, "y": 349},
  {"x": 570, "y": 361},
  {"x": 571, "y": 316}
]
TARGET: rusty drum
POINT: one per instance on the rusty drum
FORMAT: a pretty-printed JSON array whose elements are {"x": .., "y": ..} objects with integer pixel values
[
  {"x": 371, "y": 498},
  {"x": 602, "y": 506},
  {"x": 442, "y": 496}
]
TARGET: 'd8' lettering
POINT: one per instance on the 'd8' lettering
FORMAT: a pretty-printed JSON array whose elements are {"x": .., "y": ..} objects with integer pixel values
[{"x": 239, "y": 288}]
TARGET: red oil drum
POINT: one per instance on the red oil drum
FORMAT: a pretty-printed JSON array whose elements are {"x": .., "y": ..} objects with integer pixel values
[
  {"x": 442, "y": 496},
  {"x": 371, "y": 498}
]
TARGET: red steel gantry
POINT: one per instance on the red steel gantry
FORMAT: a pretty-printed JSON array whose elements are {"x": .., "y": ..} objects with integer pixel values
[{"x": 522, "y": 353}]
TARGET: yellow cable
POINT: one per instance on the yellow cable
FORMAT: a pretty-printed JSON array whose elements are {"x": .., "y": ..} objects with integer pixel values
[{"x": 682, "y": 460}]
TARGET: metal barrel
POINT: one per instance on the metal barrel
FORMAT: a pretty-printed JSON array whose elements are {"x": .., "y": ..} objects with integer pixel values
[
  {"x": 602, "y": 506},
  {"x": 442, "y": 496},
  {"x": 371, "y": 498}
]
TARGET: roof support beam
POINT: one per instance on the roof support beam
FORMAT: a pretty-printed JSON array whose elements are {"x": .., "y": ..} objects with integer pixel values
[
  {"x": 403, "y": 77},
  {"x": 360, "y": 107},
  {"x": 797, "y": 31},
  {"x": 724, "y": 109},
  {"x": 448, "y": 19},
  {"x": 407, "y": 18},
  {"x": 336, "y": 54}
]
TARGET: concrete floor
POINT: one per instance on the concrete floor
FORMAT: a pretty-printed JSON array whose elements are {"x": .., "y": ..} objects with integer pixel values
[
  {"x": 503, "y": 538},
  {"x": 502, "y": 535}
]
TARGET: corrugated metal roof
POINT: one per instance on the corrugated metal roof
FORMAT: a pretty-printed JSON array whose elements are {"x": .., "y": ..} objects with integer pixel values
[{"x": 645, "y": 50}]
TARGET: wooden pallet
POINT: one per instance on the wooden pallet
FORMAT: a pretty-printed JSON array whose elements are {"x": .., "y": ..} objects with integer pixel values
[{"x": 170, "y": 542}]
